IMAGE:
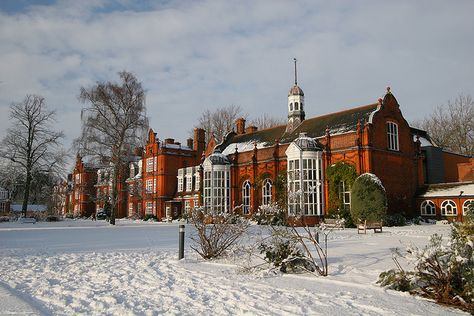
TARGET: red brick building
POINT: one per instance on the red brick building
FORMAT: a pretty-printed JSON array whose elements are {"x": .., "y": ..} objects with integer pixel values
[
  {"x": 160, "y": 163},
  {"x": 82, "y": 195},
  {"x": 243, "y": 169}
]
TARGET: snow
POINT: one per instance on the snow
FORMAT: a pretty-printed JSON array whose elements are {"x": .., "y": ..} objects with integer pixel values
[
  {"x": 447, "y": 190},
  {"x": 424, "y": 141},
  {"x": 243, "y": 147},
  {"x": 89, "y": 268}
]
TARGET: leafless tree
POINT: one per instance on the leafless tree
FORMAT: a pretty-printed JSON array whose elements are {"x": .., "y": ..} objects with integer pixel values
[
  {"x": 266, "y": 121},
  {"x": 219, "y": 122},
  {"x": 112, "y": 125},
  {"x": 32, "y": 142},
  {"x": 451, "y": 126}
]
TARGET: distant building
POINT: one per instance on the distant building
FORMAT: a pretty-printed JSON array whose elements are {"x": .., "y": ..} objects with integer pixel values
[
  {"x": 4, "y": 200},
  {"x": 82, "y": 192}
]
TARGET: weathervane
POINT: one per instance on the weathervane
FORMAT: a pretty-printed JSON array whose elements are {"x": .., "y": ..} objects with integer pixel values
[{"x": 296, "y": 80}]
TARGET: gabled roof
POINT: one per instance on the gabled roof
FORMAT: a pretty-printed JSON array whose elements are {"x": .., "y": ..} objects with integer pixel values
[{"x": 338, "y": 123}]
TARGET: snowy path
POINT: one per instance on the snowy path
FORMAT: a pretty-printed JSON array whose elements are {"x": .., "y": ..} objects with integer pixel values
[
  {"x": 64, "y": 278},
  {"x": 12, "y": 304}
]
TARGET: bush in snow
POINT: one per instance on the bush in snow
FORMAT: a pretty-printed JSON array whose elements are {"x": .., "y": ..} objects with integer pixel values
[
  {"x": 443, "y": 272},
  {"x": 297, "y": 249},
  {"x": 281, "y": 251},
  {"x": 217, "y": 232},
  {"x": 368, "y": 199},
  {"x": 270, "y": 215},
  {"x": 395, "y": 220}
]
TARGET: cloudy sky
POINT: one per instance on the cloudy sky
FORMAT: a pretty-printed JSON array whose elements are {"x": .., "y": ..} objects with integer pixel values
[{"x": 193, "y": 55}]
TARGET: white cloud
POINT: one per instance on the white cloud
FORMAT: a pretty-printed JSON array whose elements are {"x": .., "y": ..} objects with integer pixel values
[{"x": 206, "y": 54}]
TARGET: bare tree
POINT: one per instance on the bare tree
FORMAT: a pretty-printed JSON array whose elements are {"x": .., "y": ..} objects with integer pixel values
[
  {"x": 219, "y": 122},
  {"x": 452, "y": 126},
  {"x": 32, "y": 143},
  {"x": 266, "y": 121},
  {"x": 112, "y": 125}
]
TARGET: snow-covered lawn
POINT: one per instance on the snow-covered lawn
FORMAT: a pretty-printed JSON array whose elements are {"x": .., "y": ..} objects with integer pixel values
[{"x": 90, "y": 268}]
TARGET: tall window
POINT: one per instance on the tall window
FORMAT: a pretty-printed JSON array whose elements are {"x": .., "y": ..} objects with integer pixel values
[
  {"x": 197, "y": 181},
  {"x": 428, "y": 208},
  {"x": 187, "y": 205},
  {"x": 217, "y": 189},
  {"x": 296, "y": 106},
  {"x": 448, "y": 208},
  {"x": 465, "y": 206},
  {"x": 304, "y": 186},
  {"x": 149, "y": 186},
  {"x": 246, "y": 197},
  {"x": 189, "y": 182},
  {"x": 151, "y": 164},
  {"x": 345, "y": 195},
  {"x": 149, "y": 208},
  {"x": 291, "y": 106},
  {"x": 180, "y": 183},
  {"x": 267, "y": 192},
  {"x": 392, "y": 136},
  {"x": 130, "y": 209}
]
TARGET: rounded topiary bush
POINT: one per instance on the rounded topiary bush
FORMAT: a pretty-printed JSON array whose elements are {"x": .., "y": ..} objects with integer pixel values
[{"x": 368, "y": 199}]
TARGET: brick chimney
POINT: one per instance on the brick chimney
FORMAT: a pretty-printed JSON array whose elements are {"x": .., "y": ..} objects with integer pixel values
[
  {"x": 251, "y": 129},
  {"x": 240, "y": 126},
  {"x": 189, "y": 143},
  {"x": 199, "y": 143}
]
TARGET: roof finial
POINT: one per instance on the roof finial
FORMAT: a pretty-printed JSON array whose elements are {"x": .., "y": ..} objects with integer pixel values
[{"x": 296, "y": 78}]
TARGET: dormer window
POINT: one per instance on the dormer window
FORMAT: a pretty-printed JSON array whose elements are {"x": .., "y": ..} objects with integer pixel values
[{"x": 392, "y": 136}]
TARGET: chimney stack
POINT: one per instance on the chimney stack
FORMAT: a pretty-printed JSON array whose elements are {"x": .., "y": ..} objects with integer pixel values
[
  {"x": 240, "y": 126},
  {"x": 199, "y": 140},
  {"x": 189, "y": 143},
  {"x": 251, "y": 129}
]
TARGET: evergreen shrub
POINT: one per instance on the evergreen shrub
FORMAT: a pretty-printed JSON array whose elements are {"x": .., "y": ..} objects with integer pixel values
[{"x": 368, "y": 199}]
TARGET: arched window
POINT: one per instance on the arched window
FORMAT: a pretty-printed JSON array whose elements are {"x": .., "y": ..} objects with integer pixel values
[
  {"x": 448, "y": 208},
  {"x": 392, "y": 136},
  {"x": 465, "y": 206},
  {"x": 267, "y": 192},
  {"x": 296, "y": 106},
  {"x": 246, "y": 197},
  {"x": 428, "y": 208},
  {"x": 291, "y": 106}
]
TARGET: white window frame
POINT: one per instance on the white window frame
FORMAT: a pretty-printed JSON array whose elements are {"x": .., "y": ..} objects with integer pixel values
[
  {"x": 445, "y": 208},
  {"x": 305, "y": 178},
  {"x": 424, "y": 208},
  {"x": 345, "y": 195},
  {"x": 392, "y": 136},
  {"x": 465, "y": 206},
  {"x": 149, "y": 208},
  {"x": 189, "y": 182},
  {"x": 180, "y": 183},
  {"x": 246, "y": 189},
  {"x": 151, "y": 164},
  {"x": 216, "y": 187},
  {"x": 267, "y": 191},
  {"x": 187, "y": 205},
  {"x": 130, "y": 209},
  {"x": 149, "y": 185}
]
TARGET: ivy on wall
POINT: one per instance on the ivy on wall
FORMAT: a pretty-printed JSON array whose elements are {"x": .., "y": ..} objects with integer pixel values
[
  {"x": 281, "y": 190},
  {"x": 337, "y": 173}
]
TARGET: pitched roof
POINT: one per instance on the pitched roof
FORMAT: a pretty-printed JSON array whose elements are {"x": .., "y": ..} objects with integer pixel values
[
  {"x": 447, "y": 190},
  {"x": 338, "y": 123}
]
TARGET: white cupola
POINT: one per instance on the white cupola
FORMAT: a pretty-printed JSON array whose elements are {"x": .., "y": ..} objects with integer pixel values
[{"x": 296, "y": 113}]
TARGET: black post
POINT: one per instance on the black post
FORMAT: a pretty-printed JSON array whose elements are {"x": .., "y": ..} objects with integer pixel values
[{"x": 181, "y": 242}]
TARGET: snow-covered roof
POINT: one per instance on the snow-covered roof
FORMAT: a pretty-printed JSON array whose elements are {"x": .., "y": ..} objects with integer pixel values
[
  {"x": 448, "y": 190},
  {"x": 424, "y": 141},
  {"x": 30, "y": 207},
  {"x": 338, "y": 123},
  {"x": 176, "y": 146}
]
